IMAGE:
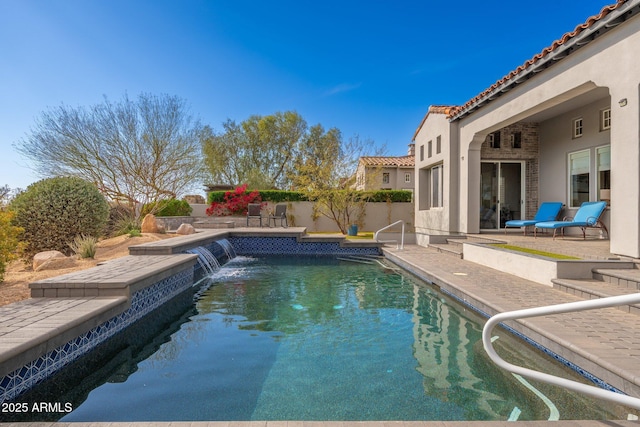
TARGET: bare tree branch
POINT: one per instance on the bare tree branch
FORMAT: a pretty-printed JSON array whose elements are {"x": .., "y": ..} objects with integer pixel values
[{"x": 135, "y": 151}]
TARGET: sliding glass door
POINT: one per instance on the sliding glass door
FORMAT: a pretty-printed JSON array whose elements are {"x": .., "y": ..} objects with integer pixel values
[{"x": 501, "y": 193}]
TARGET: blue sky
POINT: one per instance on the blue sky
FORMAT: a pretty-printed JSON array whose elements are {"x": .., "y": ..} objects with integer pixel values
[{"x": 369, "y": 68}]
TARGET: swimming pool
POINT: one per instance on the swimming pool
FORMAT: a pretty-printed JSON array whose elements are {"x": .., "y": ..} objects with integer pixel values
[{"x": 322, "y": 339}]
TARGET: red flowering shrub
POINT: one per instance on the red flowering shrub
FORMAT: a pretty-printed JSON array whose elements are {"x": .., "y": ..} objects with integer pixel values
[{"x": 235, "y": 202}]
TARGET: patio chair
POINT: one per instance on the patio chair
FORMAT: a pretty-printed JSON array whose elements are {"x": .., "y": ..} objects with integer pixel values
[
  {"x": 254, "y": 212},
  {"x": 548, "y": 211},
  {"x": 281, "y": 214},
  {"x": 588, "y": 216}
]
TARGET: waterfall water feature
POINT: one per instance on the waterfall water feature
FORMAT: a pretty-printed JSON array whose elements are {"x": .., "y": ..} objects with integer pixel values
[
  {"x": 210, "y": 259},
  {"x": 228, "y": 248},
  {"x": 206, "y": 259}
]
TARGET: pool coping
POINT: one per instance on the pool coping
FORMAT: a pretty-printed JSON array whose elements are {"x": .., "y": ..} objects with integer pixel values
[
  {"x": 203, "y": 237},
  {"x": 65, "y": 307}
]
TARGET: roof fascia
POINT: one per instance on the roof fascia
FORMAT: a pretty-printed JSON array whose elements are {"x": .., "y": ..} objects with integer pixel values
[{"x": 550, "y": 56}]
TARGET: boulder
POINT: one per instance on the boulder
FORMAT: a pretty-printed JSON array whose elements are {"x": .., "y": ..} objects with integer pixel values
[
  {"x": 150, "y": 225},
  {"x": 52, "y": 260},
  {"x": 185, "y": 229}
]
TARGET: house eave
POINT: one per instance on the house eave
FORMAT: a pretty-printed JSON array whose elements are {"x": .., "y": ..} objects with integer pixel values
[{"x": 559, "y": 50}]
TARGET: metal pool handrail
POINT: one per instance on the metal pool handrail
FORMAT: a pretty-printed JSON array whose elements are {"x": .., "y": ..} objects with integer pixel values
[
  {"x": 398, "y": 246},
  {"x": 551, "y": 379}
]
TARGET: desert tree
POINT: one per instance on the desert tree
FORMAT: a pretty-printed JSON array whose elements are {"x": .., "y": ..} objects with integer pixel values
[
  {"x": 328, "y": 176},
  {"x": 134, "y": 151},
  {"x": 259, "y": 151},
  {"x": 315, "y": 167}
]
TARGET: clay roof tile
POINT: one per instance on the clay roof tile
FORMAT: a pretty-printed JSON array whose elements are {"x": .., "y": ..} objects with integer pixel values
[{"x": 546, "y": 51}]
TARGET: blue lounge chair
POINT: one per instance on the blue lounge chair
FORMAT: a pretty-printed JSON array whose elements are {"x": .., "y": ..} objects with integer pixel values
[
  {"x": 587, "y": 216},
  {"x": 548, "y": 211}
]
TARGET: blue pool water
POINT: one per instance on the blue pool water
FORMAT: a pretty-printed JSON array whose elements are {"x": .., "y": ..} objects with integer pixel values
[{"x": 323, "y": 339}]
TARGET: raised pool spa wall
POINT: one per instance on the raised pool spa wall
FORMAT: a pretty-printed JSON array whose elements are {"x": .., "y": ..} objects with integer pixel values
[{"x": 70, "y": 315}]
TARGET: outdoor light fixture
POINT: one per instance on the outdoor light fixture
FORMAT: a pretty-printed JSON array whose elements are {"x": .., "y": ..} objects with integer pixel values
[{"x": 622, "y": 102}]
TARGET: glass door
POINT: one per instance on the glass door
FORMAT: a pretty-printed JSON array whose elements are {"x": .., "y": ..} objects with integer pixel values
[{"x": 501, "y": 190}]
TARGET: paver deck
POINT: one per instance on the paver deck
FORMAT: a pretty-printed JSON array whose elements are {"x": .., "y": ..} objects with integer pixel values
[{"x": 605, "y": 342}]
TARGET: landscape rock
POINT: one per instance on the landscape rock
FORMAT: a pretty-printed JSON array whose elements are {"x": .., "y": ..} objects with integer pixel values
[
  {"x": 150, "y": 225},
  {"x": 185, "y": 229},
  {"x": 52, "y": 260}
]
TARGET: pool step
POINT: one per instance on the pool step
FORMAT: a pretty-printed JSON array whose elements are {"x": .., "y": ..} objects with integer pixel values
[
  {"x": 454, "y": 245},
  {"x": 364, "y": 259},
  {"x": 604, "y": 283}
]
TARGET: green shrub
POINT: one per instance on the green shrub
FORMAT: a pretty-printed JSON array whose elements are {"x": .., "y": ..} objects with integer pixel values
[
  {"x": 9, "y": 242},
  {"x": 54, "y": 211},
  {"x": 278, "y": 196},
  {"x": 127, "y": 225},
  {"x": 118, "y": 215},
  {"x": 84, "y": 246},
  {"x": 167, "y": 207},
  {"x": 390, "y": 196},
  {"x": 135, "y": 233}
]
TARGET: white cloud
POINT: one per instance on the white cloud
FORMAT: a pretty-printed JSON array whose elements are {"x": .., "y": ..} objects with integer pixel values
[{"x": 342, "y": 87}]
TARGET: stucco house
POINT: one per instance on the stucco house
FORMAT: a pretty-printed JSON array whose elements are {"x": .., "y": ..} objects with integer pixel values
[
  {"x": 564, "y": 126},
  {"x": 386, "y": 172}
]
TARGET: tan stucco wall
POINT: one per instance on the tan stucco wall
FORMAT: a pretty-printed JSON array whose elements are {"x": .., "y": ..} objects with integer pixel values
[
  {"x": 436, "y": 220},
  {"x": 377, "y": 215}
]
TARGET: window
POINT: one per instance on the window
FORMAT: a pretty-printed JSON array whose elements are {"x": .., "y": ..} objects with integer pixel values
[
  {"x": 429, "y": 146},
  {"x": 438, "y": 144},
  {"x": 422, "y": 153},
  {"x": 603, "y": 170},
  {"x": 385, "y": 178},
  {"x": 407, "y": 177},
  {"x": 577, "y": 128},
  {"x": 605, "y": 119},
  {"x": 516, "y": 140},
  {"x": 494, "y": 139},
  {"x": 579, "y": 168},
  {"x": 436, "y": 186}
]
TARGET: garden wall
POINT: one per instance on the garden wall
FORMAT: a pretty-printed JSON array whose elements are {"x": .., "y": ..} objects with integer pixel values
[{"x": 377, "y": 215}]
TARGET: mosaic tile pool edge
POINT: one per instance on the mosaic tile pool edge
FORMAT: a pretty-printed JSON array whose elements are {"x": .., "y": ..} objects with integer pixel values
[
  {"x": 142, "y": 302},
  {"x": 253, "y": 246}
]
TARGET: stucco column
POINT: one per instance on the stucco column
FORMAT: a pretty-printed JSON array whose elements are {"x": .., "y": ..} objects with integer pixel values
[
  {"x": 625, "y": 170},
  {"x": 470, "y": 189}
]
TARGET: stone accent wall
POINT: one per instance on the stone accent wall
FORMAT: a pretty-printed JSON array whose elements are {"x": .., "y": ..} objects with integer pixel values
[{"x": 529, "y": 152}]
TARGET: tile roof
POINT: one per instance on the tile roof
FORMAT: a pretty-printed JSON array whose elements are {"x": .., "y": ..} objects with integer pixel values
[
  {"x": 580, "y": 36},
  {"x": 434, "y": 109},
  {"x": 406, "y": 161},
  {"x": 457, "y": 112}
]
